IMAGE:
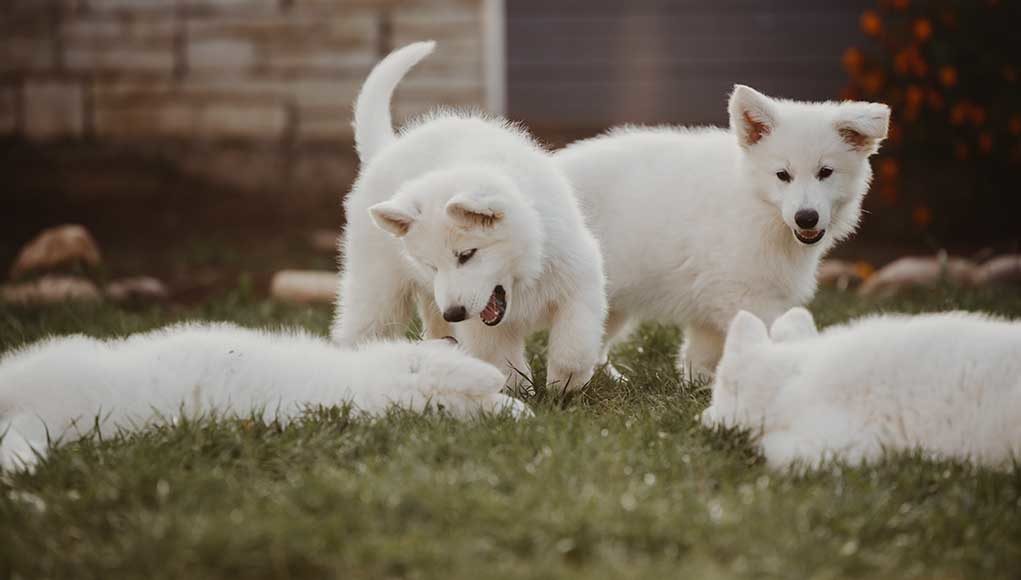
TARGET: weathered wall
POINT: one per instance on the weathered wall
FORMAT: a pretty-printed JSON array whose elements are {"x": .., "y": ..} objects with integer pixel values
[{"x": 254, "y": 92}]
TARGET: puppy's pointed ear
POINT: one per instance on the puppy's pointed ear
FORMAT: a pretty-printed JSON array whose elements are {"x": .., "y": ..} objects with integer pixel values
[
  {"x": 863, "y": 126},
  {"x": 796, "y": 323},
  {"x": 476, "y": 210},
  {"x": 746, "y": 331},
  {"x": 752, "y": 115},
  {"x": 393, "y": 217}
]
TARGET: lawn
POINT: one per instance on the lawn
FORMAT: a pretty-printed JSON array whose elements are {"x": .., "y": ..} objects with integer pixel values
[{"x": 619, "y": 481}]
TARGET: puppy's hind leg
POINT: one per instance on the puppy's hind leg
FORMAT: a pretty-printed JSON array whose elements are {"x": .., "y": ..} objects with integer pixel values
[
  {"x": 618, "y": 327},
  {"x": 700, "y": 352}
]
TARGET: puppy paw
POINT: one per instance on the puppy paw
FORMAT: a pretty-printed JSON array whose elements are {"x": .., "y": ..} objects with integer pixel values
[
  {"x": 569, "y": 379},
  {"x": 500, "y": 403}
]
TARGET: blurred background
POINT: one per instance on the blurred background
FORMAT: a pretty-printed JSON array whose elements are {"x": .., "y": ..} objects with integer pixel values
[{"x": 207, "y": 143}]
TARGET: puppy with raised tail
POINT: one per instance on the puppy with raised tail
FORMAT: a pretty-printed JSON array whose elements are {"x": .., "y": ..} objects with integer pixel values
[
  {"x": 948, "y": 384},
  {"x": 470, "y": 220},
  {"x": 63, "y": 387},
  {"x": 697, "y": 224}
]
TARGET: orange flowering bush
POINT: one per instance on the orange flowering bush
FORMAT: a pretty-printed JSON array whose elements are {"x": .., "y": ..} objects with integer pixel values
[{"x": 951, "y": 71}]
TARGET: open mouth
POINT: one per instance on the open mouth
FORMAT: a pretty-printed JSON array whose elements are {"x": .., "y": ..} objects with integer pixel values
[
  {"x": 809, "y": 237},
  {"x": 493, "y": 313}
]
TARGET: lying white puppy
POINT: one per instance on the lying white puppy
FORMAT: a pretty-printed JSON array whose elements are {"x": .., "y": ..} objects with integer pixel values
[
  {"x": 63, "y": 384},
  {"x": 696, "y": 224},
  {"x": 469, "y": 219},
  {"x": 948, "y": 384}
]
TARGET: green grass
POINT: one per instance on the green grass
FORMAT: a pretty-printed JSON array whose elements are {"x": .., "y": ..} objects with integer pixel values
[{"x": 619, "y": 481}]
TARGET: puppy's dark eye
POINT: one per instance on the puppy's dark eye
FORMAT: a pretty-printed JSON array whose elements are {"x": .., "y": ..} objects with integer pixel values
[
  {"x": 783, "y": 176},
  {"x": 824, "y": 172},
  {"x": 466, "y": 255}
]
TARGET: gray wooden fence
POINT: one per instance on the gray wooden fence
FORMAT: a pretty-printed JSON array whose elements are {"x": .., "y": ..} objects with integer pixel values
[{"x": 591, "y": 63}]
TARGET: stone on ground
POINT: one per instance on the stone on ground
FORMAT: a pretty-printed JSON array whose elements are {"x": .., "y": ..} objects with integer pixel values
[
  {"x": 304, "y": 286},
  {"x": 137, "y": 289},
  {"x": 50, "y": 289},
  {"x": 919, "y": 272},
  {"x": 1001, "y": 271},
  {"x": 57, "y": 247}
]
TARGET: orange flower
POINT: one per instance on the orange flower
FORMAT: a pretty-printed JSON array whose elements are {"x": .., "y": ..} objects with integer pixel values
[
  {"x": 985, "y": 142},
  {"x": 1014, "y": 125},
  {"x": 958, "y": 114},
  {"x": 948, "y": 76},
  {"x": 889, "y": 169},
  {"x": 977, "y": 116},
  {"x": 864, "y": 269},
  {"x": 871, "y": 23},
  {"x": 922, "y": 216},
  {"x": 914, "y": 96},
  {"x": 853, "y": 60},
  {"x": 901, "y": 4},
  {"x": 936, "y": 102},
  {"x": 923, "y": 29},
  {"x": 872, "y": 82},
  {"x": 902, "y": 62}
]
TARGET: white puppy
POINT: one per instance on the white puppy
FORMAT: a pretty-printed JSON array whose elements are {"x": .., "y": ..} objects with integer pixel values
[
  {"x": 948, "y": 384},
  {"x": 696, "y": 224},
  {"x": 471, "y": 220},
  {"x": 61, "y": 386}
]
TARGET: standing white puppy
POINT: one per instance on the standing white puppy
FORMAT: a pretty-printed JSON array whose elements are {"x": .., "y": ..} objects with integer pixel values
[
  {"x": 696, "y": 224},
  {"x": 62, "y": 387},
  {"x": 471, "y": 220},
  {"x": 948, "y": 384}
]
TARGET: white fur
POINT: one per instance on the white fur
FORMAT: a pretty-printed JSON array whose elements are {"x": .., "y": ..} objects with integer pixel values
[
  {"x": 694, "y": 223},
  {"x": 948, "y": 384},
  {"x": 64, "y": 384},
  {"x": 451, "y": 183}
]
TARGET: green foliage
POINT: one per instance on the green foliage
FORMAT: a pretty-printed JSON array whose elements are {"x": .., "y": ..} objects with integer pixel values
[
  {"x": 618, "y": 481},
  {"x": 951, "y": 72}
]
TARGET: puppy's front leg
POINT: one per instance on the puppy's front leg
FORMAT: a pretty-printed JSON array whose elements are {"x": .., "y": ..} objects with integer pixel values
[
  {"x": 503, "y": 347},
  {"x": 373, "y": 301},
  {"x": 574, "y": 344},
  {"x": 432, "y": 319}
]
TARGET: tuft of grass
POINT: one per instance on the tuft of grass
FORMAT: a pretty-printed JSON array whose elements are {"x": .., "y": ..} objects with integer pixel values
[{"x": 618, "y": 480}]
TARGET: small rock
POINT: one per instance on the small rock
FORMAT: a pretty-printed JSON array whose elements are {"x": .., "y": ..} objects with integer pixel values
[
  {"x": 842, "y": 275},
  {"x": 49, "y": 290},
  {"x": 304, "y": 286},
  {"x": 919, "y": 272},
  {"x": 1001, "y": 271},
  {"x": 137, "y": 288},
  {"x": 324, "y": 241},
  {"x": 56, "y": 247}
]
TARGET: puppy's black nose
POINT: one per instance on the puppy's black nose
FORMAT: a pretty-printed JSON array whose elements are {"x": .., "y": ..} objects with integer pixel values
[
  {"x": 806, "y": 218},
  {"x": 455, "y": 314}
]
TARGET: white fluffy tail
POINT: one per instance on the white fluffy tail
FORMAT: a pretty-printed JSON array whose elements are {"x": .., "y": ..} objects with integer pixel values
[{"x": 373, "y": 126}]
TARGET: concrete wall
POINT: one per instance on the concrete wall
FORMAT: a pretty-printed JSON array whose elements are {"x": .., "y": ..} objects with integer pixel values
[{"x": 256, "y": 93}]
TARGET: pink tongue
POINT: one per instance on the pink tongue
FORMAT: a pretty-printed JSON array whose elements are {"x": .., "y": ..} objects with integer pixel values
[{"x": 490, "y": 312}]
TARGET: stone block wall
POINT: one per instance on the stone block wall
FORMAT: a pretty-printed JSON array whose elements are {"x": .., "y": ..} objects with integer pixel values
[{"x": 257, "y": 93}]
